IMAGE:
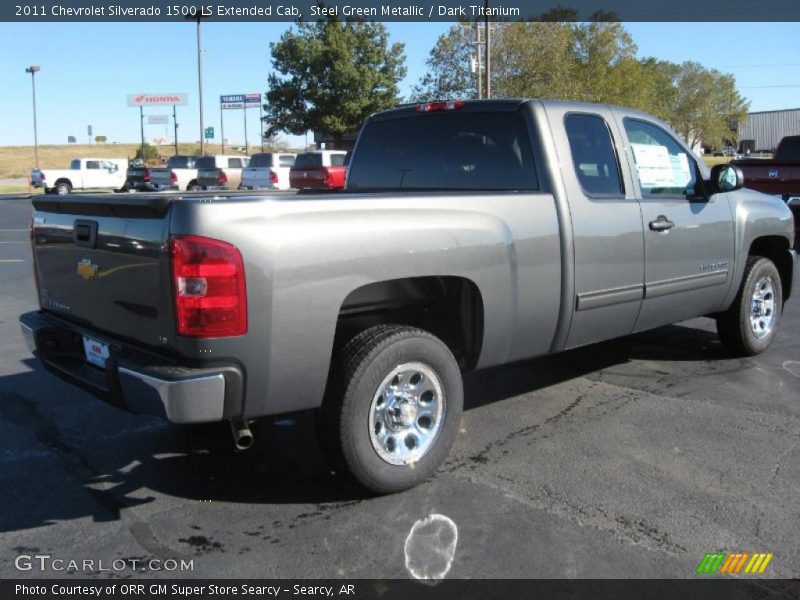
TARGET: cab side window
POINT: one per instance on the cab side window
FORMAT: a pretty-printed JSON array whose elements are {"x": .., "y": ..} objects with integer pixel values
[
  {"x": 664, "y": 168},
  {"x": 234, "y": 163},
  {"x": 92, "y": 164},
  {"x": 594, "y": 156}
]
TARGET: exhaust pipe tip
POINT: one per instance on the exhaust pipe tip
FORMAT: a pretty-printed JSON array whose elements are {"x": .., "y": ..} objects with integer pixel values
[{"x": 242, "y": 436}]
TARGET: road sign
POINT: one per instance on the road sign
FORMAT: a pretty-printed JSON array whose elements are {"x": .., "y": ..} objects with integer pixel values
[
  {"x": 89, "y": 130},
  {"x": 209, "y": 133},
  {"x": 179, "y": 99},
  {"x": 157, "y": 119}
]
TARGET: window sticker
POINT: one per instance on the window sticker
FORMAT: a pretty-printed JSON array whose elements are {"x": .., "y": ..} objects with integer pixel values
[{"x": 657, "y": 168}]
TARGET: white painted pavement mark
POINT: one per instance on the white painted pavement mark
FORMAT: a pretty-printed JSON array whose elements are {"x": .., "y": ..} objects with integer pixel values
[
  {"x": 430, "y": 548},
  {"x": 793, "y": 367}
]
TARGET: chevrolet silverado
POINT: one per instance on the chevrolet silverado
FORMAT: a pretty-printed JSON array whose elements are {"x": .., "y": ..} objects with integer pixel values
[{"x": 470, "y": 234}]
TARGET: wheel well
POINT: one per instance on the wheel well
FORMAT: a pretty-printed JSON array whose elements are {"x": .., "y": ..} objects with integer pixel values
[
  {"x": 776, "y": 248},
  {"x": 190, "y": 184},
  {"x": 449, "y": 307},
  {"x": 63, "y": 180}
]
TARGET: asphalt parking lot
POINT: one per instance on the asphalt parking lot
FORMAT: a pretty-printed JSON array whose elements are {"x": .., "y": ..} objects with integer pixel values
[{"x": 631, "y": 458}]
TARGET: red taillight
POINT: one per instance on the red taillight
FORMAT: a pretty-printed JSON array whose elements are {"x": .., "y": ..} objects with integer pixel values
[
  {"x": 172, "y": 177},
  {"x": 209, "y": 287},
  {"x": 222, "y": 178},
  {"x": 148, "y": 176},
  {"x": 273, "y": 177},
  {"x": 427, "y": 107}
]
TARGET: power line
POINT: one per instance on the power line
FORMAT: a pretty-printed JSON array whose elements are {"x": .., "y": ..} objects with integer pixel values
[{"x": 770, "y": 86}]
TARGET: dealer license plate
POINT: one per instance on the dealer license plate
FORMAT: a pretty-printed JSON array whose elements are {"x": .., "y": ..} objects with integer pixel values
[{"x": 96, "y": 352}]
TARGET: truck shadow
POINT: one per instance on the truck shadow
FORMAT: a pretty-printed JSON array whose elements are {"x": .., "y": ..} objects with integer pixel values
[{"x": 66, "y": 456}]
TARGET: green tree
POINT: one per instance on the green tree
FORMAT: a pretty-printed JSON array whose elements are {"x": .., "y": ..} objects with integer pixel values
[
  {"x": 330, "y": 76},
  {"x": 706, "y": 106},
  {"x": 449, "y": 63}
]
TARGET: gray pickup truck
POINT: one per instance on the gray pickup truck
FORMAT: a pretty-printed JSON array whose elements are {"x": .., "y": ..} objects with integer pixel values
[{"x": 470, "y": 234}]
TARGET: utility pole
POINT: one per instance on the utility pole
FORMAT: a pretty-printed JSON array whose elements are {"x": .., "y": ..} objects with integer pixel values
[
  {"x": 488, "y": 40},
  {"x": 478, "y": 69},
  {"x": 175, "y": 123},
  {"x": 199, "y": 14},
  {"x": 141, "y": 124},
  {"x": 33, "y": 70},
  {"x": 244, "y": 110}
]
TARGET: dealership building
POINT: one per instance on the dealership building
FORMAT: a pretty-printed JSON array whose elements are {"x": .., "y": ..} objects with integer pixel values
[{"x": 763, "y": 130}]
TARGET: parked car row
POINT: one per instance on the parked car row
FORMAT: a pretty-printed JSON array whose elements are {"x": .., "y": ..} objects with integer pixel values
[{"x": 323, "y": 169}]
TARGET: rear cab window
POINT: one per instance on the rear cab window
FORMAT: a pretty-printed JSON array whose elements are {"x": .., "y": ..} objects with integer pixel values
[
  {"x": 286, "y": 160},
  {"x": 180, "y": 162},
  {"x": 308, "y": 159},
  {"x": 206, "y": 162},
  {"x": 261, "y": 160},
  {"x": 469, "y": 150},
  {"x": 664, "y": 168},
  {"x": 594, "y": 155},
  {"x": 234, "y": 163}
]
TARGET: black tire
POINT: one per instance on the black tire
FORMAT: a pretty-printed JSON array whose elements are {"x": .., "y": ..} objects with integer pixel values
[
  {"x": 62, "y": 188},
  {"x": 734, "y": 326},
  {"x": 193, "y": 187},
  {"x": 358, "y": 372}
]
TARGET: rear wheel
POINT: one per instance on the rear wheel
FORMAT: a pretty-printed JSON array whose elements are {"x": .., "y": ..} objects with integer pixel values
[
  {"x": 751, "y": 323},
  {"x": 392, "y": 409},
  {"x": 194, "y": 187}
]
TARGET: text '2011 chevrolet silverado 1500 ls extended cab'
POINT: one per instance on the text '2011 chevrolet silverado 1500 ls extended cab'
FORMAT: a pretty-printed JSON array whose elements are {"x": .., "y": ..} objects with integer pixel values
[{"x": 470, "y": 234}]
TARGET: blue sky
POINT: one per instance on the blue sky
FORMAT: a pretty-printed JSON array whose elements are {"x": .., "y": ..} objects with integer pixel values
[{"x": 87, "y": 69}]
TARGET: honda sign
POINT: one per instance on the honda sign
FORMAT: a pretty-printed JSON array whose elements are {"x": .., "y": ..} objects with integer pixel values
[{"x": 158, "y": 99}]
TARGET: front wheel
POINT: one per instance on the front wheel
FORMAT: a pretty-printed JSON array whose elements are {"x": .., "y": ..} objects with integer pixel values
[
  {"x": 751, "y": 323},
  {"x": 392, "y": 409},
  {"x": 63, "y": 189}
]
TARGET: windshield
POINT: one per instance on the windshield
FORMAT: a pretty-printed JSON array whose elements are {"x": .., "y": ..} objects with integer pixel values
[{"x": 445, "y": 151}]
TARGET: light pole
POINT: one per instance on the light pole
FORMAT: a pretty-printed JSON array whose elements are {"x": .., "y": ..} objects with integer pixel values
[
  {"x": 197, "y": 17},
  {"x": 33, "y": 70}
]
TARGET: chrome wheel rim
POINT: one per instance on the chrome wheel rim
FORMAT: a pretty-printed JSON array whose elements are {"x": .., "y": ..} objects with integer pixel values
[
  {"x": 62, "y": 190},
  {"x": 762, "y": 308},
  {"x": 407, "y": 414}
]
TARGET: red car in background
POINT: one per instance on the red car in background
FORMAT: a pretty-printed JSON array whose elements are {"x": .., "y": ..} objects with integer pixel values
[{"x": 318, "y": 170}]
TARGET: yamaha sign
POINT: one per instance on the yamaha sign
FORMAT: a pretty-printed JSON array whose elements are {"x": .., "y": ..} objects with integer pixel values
[{"x": 158, "y": 99}]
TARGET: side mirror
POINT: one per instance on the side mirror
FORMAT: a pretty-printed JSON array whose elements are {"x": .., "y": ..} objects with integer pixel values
[
  {"x": 726, "y": 178},
  {"x": 114, "y": 168}
]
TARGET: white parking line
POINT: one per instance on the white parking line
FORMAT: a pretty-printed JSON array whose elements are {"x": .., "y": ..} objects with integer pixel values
[
  {"x": 11, "y": 260},
  {"x": 14, "y": 242}
]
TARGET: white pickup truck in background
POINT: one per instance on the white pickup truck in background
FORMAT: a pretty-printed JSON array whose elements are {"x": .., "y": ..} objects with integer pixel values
[
  {"x": 267, "y": 171},
  {"x": 83, "y": 174}
]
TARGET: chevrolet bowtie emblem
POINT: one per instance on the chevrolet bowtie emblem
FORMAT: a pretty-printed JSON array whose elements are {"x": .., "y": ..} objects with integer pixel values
[{"x": 86, "y": 269}]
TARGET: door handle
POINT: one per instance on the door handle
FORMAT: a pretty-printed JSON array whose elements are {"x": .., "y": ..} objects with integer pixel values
[{"x": 662, "y": 223}]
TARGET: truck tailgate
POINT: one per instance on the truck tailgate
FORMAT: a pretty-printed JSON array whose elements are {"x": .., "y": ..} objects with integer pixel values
[
  {"x": 105, "y": 263},
  {"x": 770, "y": 176}
]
